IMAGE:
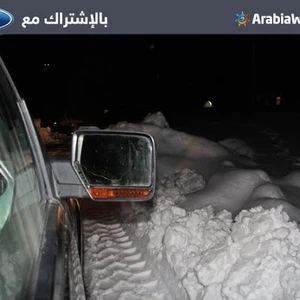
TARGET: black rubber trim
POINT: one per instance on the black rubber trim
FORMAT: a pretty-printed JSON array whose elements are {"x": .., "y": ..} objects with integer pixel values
[
  {"x": 45, "y": 281},
  {"x": 79, "y": 230}
]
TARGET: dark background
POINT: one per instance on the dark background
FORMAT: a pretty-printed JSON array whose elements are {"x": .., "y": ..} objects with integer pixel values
[{"x": 133, "y": 75}]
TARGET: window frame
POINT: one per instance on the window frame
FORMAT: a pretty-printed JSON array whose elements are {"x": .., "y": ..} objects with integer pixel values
[{"x": 41, "y": 282}]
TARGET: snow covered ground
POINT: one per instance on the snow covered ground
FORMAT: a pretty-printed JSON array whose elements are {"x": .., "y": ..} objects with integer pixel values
[
  {"x": 48, "y": 137},
  {"x": 57, "y": 144},
  {"x": 219, "y": 227}
]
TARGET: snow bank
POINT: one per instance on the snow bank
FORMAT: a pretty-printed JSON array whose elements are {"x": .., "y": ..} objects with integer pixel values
[
  {"x": 265, "y": 255},
  {"x": 173, "y": 142},
  {"x": 48, "y": 137},
  {"x": 178, "y": 150},
  {"x": 238, "y": 146},
  {"x": 157, "y": 119},
  {"x": 254, "y": 256},
  {"x": 193, "y": 238},
  {"x": 229, "y": 190}
]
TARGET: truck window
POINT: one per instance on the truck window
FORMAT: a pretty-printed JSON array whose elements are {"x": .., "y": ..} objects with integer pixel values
[{"x": 22, "y": 199}]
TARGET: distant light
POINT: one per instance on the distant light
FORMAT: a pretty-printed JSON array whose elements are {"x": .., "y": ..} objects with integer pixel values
[
  {"x": 208, "y": 104},
  {"x": 46, "y": 66},
  {"x": 278, "y": 100},
  {"x": 151, "y": 46}
]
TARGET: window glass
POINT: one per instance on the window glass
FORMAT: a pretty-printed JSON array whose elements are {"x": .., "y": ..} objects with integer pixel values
[{"x": 22, "y": 199}]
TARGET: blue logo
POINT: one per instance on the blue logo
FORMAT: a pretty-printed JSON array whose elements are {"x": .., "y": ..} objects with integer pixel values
[
  {"x": 6, "y": 18},
  {"x": 242, "y": 19}
]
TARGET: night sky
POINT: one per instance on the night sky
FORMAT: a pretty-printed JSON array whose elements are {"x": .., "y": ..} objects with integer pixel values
[{"x": 90, "y": 73}]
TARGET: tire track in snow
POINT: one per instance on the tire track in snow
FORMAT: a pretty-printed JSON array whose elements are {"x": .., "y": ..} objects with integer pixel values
[{"x": 114, "y": 268}]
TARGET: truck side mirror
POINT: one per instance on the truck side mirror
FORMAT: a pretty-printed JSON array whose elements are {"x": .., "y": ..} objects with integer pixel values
[{"x": 114, "y": 165}]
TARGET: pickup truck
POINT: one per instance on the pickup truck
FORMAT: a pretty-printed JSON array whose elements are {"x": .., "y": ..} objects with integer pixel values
[{"x": 40, "y": 227}]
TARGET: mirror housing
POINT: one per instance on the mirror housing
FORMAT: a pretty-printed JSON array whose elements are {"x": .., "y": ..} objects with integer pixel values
[{"x": 114, "y": 165}]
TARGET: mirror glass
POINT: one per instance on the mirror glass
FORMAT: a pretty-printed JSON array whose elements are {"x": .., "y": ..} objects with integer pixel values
[{"x": 116, "y": 160}]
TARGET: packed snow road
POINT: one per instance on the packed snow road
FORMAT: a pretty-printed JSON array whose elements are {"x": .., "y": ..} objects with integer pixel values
[{"x": 115, "y": 266}]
